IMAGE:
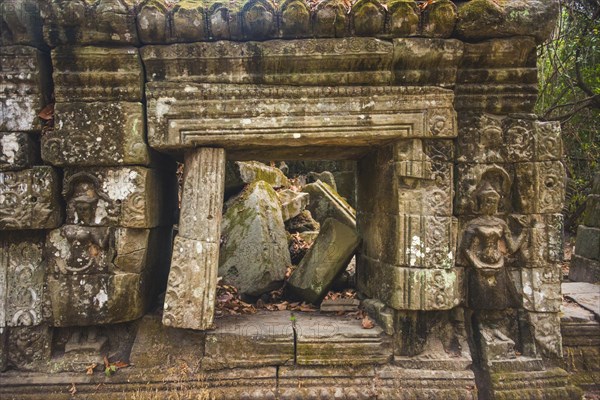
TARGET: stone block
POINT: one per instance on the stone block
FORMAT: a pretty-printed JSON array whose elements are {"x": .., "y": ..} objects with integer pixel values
[
  {"x": 423, "y": 61},
  {"x": 545, "y": 242},
  {"x": 98, "y": 134},
  {"x": 240, "y": 173},
  {"x": 539, "y": 187},
  {"x": 292, "y": 203},
  {"x": 498, "y": 76},
  {"x": 383, "y": 315},
  {"x": 3, "y": 349},
  {"x": 303, "y": 223},
  {"x": 438, "y": 19},
  {"x": 30, "y": 199},
  {"x": 25, "y": 73},
  {"x": 584, "y": 269},
  {"x": 97, "y": 299},
  {"x": 327, "y": 258},
  {"x": 22, "y": 279},
  {"x": 131, "y": 197},
  {"x": 541, "y": 289},
  {"x": 89, "y": 73},
  {"x": 18, "y": 150},
  {"x": 29, "y": 347},
  {"x": 409, "y": 240},
  {"x": 250, "y": 341},
  {"x": 325, "y": 177},
  {"x": 368, "y": 18},
  {"x": 480, "y": 138},
  {"x": 280, "y": 62},
  {"x": 157, "y": 346},
  {"x": 403, "y": 18},
  {"x": 527, "y": 139},
  {"x": 273, "y": 122},
  {"x": 485, "y": 19},
  {"x": 160, "y": 22},
  {"x": 84, "y": 250},
  {"x": 403, "y": 288},
  {"x": 587, "y": 244},
  {"x": 546, "y": 330},
  {"x": 21, "y": 23},
  {"x": 84, "y": 22},
  {"x": 324, "y": 202},
  {"x": 471, "y": 177},
  {"x": 254, "y": 255},
  {"x": 591, "y": 217},
  {"x": 326, "y": 340}
]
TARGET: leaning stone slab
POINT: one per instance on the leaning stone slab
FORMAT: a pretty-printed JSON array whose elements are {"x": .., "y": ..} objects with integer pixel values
[
  {"x": 132, "y": 197},
  {"x": 485, "y": 19},
  {"x": 240, "y": 173},
  {"x": 326, "y": 203},
  {"x": 328, "y": 256},
  {"x": 22, "y": 279},
  {"x": 25, "y": 73},
  {"x": 90, "y": 22},
  {"x": 92, "y": 73},
  {"x": 98, "y": 134},
  {"x": 254, "y": 254},
  {"x": 30, "y": 199},
  {"x": 18, "y": 150},
  {"x": 250, "y": 340},
  {"x": 326, "y": 340},
  {"x": 588, "y": 242},
  {"x": 292, "y": 203}
]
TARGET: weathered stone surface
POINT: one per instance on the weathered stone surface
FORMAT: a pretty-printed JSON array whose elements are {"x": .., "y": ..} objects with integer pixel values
[
  {"x": 97, "y": 133},
  {"x": 591, "y": 216},
  {"x": 254, "y": 253},
  {"x": 540, "y": 187},
  {"x": 383, "y": 315},
  {"x": 349, "y": 61},
  {"x": 22, "y": 279},
  {"x": 325, "y": 202},
  {"x": 192, "y": 286},
  {"x": 26, "y": 87},
  {"x": 159, "y": 22},
  {"x": 292, "y": 203},
  {"x": 158, "y": 346},
  {"x": 326, "y": 340},
  {"x": 587, "y": 244},
  {"x": 81, "y": 300},
  {"x": 421, "y": 289},
  {"x": 541, "y": 289},
  {"x": 240, "y": 173},
  {"x": 485, "y": 19},
  {"x": 329, "y": 255},
  {"x": 3, "y": 349},
  {"x": 339, "y": 305},
  {"x": 487, "y": 138},
  {"x": 438, "y": 19},
  {"x": 498, "y": 76},
  {"x": 132, "y": 197},
  {"x": 21, "y": 23},
  {"x": 420, "y": 61},
  {"x": 325, "y": 177},
  {"x": 29, "y": 199},
  {"x": 18, "y": 150},
  {"x": 90, "y": 22},
  {"x": 585, "y": 294},
  {"x": 250, "y": 341},
  {"x": 304, "y": 222},
  {"x": 317, "y": 118},
  {"x": 29, "y": 347},
  {"x": 584, "y": 270},
  {"x": 87, "y": 73}
]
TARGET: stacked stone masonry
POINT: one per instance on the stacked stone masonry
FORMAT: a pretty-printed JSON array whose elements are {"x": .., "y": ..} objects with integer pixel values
[
  {"x": 458, "y": 191},
  {"x": 585, "y": 263}
]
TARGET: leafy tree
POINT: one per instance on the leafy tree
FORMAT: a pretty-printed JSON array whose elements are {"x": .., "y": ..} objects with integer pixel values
[{"x": 569, "y": 82}]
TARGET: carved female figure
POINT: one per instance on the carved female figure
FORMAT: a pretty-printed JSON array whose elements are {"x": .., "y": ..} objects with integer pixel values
[{"x": 487, "y": 241}]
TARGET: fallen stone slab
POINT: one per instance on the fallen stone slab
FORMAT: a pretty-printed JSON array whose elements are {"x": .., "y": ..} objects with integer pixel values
[
  {"x": 240, "y": 173},
  {"x": 327, "y": 258},
  {"x": 302, "y": 223},
  {"x": 340, "y": 305},
  {"x": 292, "y": 203},
  {"x": 325, "y": 177},
  {"x": 325, "y": 203},
  {"x": 254, "y": 251},
  {"x": 585, "y": 294}
]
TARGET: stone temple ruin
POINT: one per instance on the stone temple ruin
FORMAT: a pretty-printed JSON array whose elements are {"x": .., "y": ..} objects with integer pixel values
[{"x": 459, "y": 190}]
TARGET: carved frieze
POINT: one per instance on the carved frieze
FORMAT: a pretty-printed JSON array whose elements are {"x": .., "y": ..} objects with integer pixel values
[
  {"x": 97, "y": 133},
  {"x": 248, "y": 116},
  {"x": 25, "y": 87},
  {"x": 30, "y": 199},
  {"x": 86, "y": 73},
  {"x": 132, "y": 197},
  {"x": 471, "y": 177},
  {"x": 539, "y": 187},
  {"x": 90, "y": 22},
  {"x": 29, "y": 348},
  {"x": 546, "y": 330},
  {"x": 298, "y": 62},
  {"x": 18, "y": 150}
]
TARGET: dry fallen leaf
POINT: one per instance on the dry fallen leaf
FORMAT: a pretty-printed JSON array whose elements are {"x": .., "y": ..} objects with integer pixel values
[
  {"x": 367, "y": 323},
  {"x": 89, "y": 370},
  {"x": 73, "y": 389}
]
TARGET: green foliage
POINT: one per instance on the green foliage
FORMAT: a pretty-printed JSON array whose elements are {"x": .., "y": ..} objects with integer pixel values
[{"x": 569, "y": 82}]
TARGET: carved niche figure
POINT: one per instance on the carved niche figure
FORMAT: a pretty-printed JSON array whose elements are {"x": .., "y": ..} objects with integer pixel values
[{"x": 86, "y": 203}]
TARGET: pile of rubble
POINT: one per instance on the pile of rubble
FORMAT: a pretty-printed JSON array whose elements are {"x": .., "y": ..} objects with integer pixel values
[{"x": 286, "y": 244}]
